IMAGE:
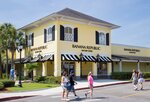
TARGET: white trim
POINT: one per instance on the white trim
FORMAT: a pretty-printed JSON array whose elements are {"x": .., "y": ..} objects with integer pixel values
[{"x": 68, "y": 25}]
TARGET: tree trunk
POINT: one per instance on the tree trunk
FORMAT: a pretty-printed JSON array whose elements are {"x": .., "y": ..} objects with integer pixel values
[
  {"x": 7, "y": 64},
  {"x": 0, "y": 66},
  {"x": 12, "y": 58}
]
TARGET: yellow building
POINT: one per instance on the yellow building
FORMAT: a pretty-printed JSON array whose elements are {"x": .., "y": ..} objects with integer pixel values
[
  {"x": 126, "y": 58},
  {"x": 73, "y": 41}
]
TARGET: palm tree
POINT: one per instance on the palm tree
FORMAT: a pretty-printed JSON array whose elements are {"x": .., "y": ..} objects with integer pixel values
[
  {"x": 30, "y": 67},
  {"x": 8, "y": 36},
  {"x": 16, "y": 39},
  {"x": 5, "y": 30}
]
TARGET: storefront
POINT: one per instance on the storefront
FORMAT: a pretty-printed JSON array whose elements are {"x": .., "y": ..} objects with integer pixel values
[
  {"x": 68, "y": 40},
  {"x": 75, "y": 42},
  {"x": 126, "y": 58}
]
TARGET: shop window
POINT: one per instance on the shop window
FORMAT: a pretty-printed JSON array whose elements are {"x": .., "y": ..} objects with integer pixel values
[
  {"x": 69, "y": 36},
  {"x": 101, "y": 69},
  {"x": 102, "y": 38},
  {"x": 49, "y": 34},
  {"x": 30, "y": 39},
  {"x": 68, "y": 33}
]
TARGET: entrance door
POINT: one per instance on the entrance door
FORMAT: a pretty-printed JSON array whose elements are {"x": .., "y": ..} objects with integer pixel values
[
  {"x": 102, "y": 69},
  {"x": 69, "y": 67}
]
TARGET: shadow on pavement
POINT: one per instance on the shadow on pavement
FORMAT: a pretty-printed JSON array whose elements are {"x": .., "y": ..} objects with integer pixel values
[
  {"x": 83, "y": 99},
  {"x": 13, "y": 98}
]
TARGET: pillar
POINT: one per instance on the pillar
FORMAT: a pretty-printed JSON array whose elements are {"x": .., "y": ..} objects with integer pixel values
[
  {"x": 109, "y": 69},
  {"x": 34, "y": 72},
  {"x": 57, "y": 53},
  {"x": 77, "y": 70},
  {"x": 94, "y": 67},
  {"x": 120, "y": 66},
  {"x": 138, "y": 65},
  {"x": 25, "y": 70},
  {"x": 44, "y": 69}
]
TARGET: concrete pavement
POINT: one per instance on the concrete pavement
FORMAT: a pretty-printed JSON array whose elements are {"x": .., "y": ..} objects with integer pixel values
[{"x": 52, "y": 91}]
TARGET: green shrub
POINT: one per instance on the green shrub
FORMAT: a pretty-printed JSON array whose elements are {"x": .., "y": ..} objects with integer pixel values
[
  {"x": 48, "y": 79},
  {"x": 53, "y": 80},
  {"x": 8, "y": 83},
  {"x": 1, "y": 85},
  {"x": 146, "y": 74},
  {"x": 40, "y": 78},
  {"x": 121, "y": 75}
]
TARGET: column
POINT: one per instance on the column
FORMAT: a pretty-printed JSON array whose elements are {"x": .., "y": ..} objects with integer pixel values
[
  {"x": 94, "y": 67},
  {"x": 25, "y": 70},
  {"x": 120, "y": 66},
  {"x": 44, "y": 69},
  {"x": 57, "y": 54},
  {"x": 109, "y": 69},
  {"x": 34, "y": 72},
  {"x": 77, "y": 70},
  {"x": 138, "y": 65}
]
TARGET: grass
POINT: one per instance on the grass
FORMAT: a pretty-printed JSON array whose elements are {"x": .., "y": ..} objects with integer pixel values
[{"x": 31, "y": 86}]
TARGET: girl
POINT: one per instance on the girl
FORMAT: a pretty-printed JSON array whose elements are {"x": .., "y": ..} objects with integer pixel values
[
  {"x": 134, "y": 79},
  {"x": 90, "y": 82}
]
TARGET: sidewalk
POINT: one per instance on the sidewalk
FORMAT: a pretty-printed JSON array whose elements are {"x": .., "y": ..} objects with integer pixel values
[{"x": 81, "y": 85}]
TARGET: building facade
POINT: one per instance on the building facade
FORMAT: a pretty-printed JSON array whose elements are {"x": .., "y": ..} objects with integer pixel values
[{"x": 72, "y": 41}]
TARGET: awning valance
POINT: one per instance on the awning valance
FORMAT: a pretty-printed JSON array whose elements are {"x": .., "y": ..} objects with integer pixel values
[
  {"x": 69, "y": 57},
  {"x": 27, "y": 60},
  {"x": 129, "y": 58},
  {"x": 103, "y": 59},
  {"x": 18, "y": 60},
  {"x": 89, "y": 58},
  {"x": 48, "y": 57}
]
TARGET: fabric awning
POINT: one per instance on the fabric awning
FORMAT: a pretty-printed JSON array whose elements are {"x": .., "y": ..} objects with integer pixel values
[
  {"x": 48, "y": 57},
  {"x": 104, "y": 59},
  {"x": 69, "y": 57},
  {"x": 27, "y": 60},
  {"x": 35, "y": 59},
  {"x": 89, "y": 58},
  {"x": 126, "y": 57},
  {"x": 18, "y": 60}
]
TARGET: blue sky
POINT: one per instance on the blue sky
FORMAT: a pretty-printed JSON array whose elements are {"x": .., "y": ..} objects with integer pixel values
[{"x": 132, "y": 15}]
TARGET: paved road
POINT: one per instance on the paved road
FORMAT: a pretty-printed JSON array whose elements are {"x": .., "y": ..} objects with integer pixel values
[{"x": 116, "y": 93}]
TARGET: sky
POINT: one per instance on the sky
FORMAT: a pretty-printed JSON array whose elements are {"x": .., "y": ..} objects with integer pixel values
[{"x": 132, "y": 15}]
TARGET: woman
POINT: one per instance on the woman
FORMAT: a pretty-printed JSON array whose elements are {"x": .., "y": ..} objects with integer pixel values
[
  {"x": 90, "y": 82},
  {"x": 134, "y": 79},
  {"x": 64, "y": 81},
  {"x": 140, "y": 79}
]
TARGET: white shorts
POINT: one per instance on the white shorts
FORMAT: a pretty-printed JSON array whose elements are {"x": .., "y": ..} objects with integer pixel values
[{"x": 141, "y": 80}]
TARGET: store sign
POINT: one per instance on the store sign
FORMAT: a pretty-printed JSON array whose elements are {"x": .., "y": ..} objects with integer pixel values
[
  {"x": 131, "y": 50},
  {"x": 39, "y": 49},
  {"x": 86, "y": 48}
]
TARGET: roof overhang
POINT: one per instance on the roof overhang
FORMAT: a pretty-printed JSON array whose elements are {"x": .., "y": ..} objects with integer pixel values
[{"x": 54, "y": 16}]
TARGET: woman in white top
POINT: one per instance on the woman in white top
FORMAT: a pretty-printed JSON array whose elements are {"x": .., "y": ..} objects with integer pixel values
[
  {"x": 64, "y": 81},
  {"x": 134, "y": 79}
]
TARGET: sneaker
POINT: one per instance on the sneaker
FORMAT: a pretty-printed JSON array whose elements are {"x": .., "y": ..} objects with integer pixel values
[
  {"x": 136, "y": 89},
  {"x": 76, "y": 96},
  {"x": 86, "y": 95},
  {"x": 67, "y": 99}
]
